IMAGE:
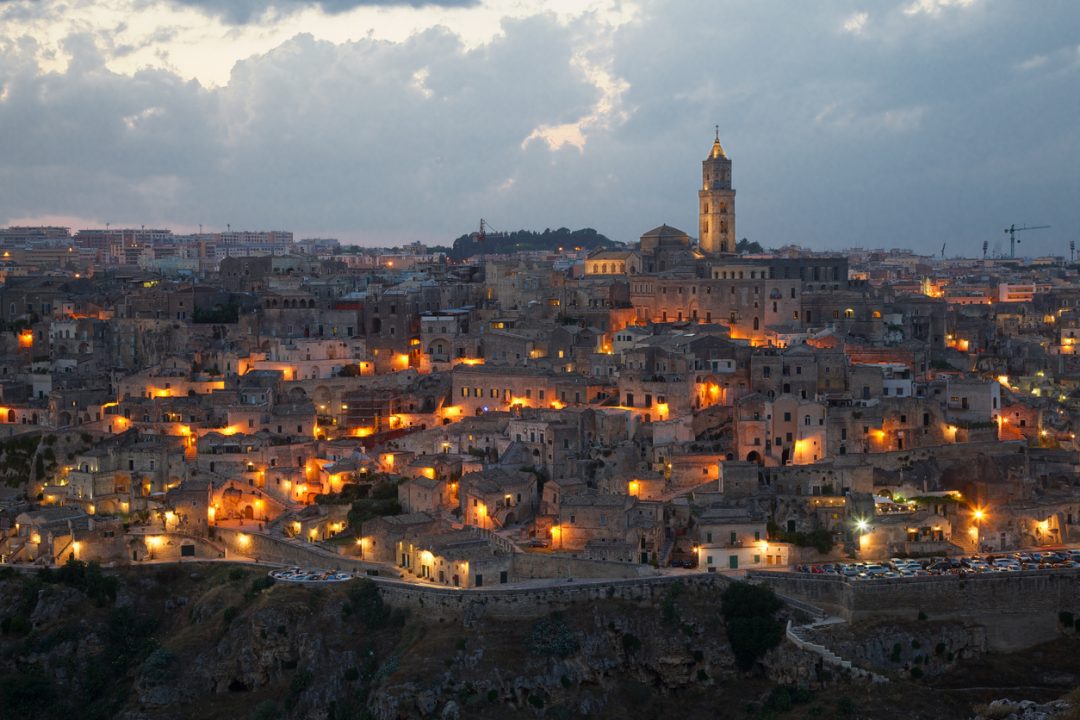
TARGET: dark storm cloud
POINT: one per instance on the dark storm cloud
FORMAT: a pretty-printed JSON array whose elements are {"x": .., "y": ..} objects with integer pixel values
[
  {"x": 915, "y": 130},
  {"x": 373, "y": 136},
  {"x": 239, "y": 12},
  {"x": 920, "y": 131}
]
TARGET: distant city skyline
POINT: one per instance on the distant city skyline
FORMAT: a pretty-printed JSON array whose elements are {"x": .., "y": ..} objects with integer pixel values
[{"x": 906, "y": 124}]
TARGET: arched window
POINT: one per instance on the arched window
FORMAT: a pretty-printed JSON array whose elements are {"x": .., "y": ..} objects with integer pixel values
[
  {"x": 849, "y": 313},
  {"x": 806, "y": 420}
]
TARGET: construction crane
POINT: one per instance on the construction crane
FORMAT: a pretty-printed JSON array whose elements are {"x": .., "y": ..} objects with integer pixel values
[
  {"x": 1011, "y": 232},
  {"x": 481, "y": 235}
]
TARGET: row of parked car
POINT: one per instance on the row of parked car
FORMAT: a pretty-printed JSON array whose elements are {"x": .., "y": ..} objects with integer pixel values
[{"x": 915, "y": 567}]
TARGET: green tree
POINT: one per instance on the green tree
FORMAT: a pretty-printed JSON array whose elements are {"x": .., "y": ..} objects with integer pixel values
[{"x": 749, "y": 616}]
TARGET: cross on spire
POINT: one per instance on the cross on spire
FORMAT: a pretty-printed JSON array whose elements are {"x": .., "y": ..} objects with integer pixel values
[{"x": 718, "y": 132}]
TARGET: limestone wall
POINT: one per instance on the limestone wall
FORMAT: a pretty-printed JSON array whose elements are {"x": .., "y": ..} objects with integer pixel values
[
  {"x": 1019, "y": 609},
  {"x": 828, "y": 592},
  {"x": 286, "y": 552},
  {"x": 541, "y": 565},
  {"x": 514, "y": 603}
]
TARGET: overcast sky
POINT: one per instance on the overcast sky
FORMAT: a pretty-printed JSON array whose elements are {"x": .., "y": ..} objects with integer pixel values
[{"x": 904, "y": 124}]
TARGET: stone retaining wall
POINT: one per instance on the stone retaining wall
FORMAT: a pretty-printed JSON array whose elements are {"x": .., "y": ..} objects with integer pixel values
[
  {"x": 526, "y": 566},
  {"x": 1019, "y": 609},
  {"x": 510, "y": 603},
  {"x": 280, "y": 551}
]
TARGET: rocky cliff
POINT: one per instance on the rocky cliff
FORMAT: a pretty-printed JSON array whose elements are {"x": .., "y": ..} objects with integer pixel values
[{"x": 213, "y": 641}]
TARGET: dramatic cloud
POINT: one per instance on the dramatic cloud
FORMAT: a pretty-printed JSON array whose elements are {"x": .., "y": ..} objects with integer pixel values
[
  {"x": 244, "y": 11},
  {"x": 922, "y": 123}
]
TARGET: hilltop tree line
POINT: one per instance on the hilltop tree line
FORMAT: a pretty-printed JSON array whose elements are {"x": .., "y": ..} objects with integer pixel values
[{"x": 528, "y": 240}]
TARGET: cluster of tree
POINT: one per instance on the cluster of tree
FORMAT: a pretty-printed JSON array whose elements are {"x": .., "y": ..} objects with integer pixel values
[
  {"x": 745, "y": 246},
  {"x": 750, "y": 621},
  {"x": 526, "y": 240},
  {"x": 820, "y": 539}
]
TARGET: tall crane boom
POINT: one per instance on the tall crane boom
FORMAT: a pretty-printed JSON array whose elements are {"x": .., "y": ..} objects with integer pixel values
[
  {"x": 485, "y": 228},
  {"x": 1011, "y": 232}
]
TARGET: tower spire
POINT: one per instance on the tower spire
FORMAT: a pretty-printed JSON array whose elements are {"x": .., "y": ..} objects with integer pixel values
[{"x": 717, "y": 149}]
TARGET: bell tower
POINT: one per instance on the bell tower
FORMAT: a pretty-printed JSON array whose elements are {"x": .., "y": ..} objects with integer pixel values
[{"x": 716, "y": 203}]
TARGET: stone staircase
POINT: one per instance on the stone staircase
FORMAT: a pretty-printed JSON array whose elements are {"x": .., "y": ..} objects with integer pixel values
[
  {"x": 799, "y": 636},
  {"x": 666, "y": 550}
]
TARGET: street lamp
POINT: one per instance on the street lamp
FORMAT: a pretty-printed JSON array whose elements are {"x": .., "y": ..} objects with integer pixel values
[
  {"x": 978, "y": 515},
  {"x": 862, "y": 527}
]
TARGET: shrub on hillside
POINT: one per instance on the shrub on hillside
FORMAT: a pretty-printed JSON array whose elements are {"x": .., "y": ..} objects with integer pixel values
[{"x": 749, "y": 617}]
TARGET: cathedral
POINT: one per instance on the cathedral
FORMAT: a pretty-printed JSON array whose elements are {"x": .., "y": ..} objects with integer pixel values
[{"x": 668, "y": 249}]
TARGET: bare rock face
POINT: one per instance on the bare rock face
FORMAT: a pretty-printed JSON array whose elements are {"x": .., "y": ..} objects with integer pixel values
[
  {"x": 426, "y": 703},
  {"x": 675, "y": 670},
  {"x": 256, "y": 650},
  {"x": 1023, "y": 710},
  {"x": 152, "y": 684},
  {"x": 56, "y": 603},
  {"x": 934, "y": 647}
]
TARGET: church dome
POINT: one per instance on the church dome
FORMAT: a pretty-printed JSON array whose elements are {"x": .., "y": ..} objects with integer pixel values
[{"x": 664, "y": 231}]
